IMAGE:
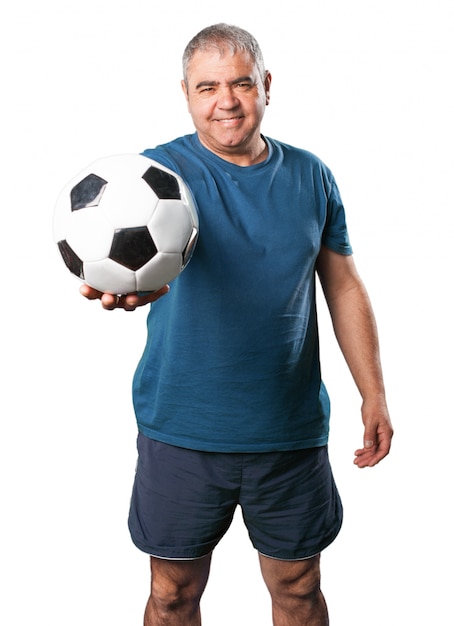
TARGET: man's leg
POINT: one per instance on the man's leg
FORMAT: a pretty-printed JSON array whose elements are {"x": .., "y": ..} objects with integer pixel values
[
  {"x": 176, "y": 589},
  {"x": 295, "y": 591}
]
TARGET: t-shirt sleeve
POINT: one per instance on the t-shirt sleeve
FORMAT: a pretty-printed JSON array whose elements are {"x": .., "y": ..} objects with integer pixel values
[
  {"x": 335, "y": 234},
  {"x": 160, "y": 156}
]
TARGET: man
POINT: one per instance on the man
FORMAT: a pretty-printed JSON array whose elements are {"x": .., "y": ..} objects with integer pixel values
[{"x": 229, "y": 401}]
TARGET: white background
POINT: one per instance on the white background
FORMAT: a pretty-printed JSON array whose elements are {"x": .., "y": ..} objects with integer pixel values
[{"x": 366, "y": 85}]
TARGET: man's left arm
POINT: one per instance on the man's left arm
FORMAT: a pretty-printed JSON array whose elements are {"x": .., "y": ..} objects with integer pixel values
[{"x": 356, "y": 331}]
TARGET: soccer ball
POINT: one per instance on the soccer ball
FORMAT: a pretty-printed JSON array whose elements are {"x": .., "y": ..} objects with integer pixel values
[{"x": 126, "y": 224}]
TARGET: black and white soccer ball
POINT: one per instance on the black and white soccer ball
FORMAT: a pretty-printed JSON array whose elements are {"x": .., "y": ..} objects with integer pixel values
[{"x": 126, "y": 224}]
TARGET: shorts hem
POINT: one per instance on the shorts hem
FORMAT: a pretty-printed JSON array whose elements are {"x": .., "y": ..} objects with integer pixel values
[
  {"x": 310, "y": 554},
  {"x": 171, "y": 554},
  {"x": 298, "y": 558},
  {"x": 179, "y": 558}
]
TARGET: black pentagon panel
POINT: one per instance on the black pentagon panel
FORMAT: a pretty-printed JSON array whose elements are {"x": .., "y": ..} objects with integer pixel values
[
  {"x": 87, "y": 192},
  {"x": 132, "y": 247},
  {"x": 72, "y": 261},
  {"x": 189, "y": 248},
  {"x": 164, "y": 185}
]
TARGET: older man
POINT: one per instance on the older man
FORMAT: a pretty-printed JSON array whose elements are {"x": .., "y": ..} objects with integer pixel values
[{"x": 228, "y": 395}]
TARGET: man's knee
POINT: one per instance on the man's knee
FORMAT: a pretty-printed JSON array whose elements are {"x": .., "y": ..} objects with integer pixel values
[
  {"x": 171, "y": 597},
  {"x": 177, "y": 585},
  {"x": 292, "y": 580}
]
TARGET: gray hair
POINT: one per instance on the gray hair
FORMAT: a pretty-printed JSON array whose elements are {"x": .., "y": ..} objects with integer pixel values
[{"x": 222, "y": 36}]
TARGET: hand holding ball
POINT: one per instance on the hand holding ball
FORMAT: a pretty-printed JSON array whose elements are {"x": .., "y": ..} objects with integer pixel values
[{"x": 126, "y": 224}]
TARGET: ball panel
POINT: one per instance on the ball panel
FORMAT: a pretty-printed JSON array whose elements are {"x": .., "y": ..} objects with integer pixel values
[
  {"x": 190, "y": 247},
  {"x": 162, "y": 269},
  {"x": 132, "y": 247},
  {"x": 87, "y": 193},
  {"x": 72, "y": 261},
  {"x": 128, "y": 203},
  {"x": 171, "y": 226},
  {"x": 90, "y": 236},
  {"x": 110, "y": 277},
  {"x": 188, "y": 201},
  {"x": 164, "y": 184}
]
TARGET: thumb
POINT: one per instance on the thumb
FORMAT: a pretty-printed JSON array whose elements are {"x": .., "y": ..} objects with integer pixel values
[{"x": 369, "y": 440}]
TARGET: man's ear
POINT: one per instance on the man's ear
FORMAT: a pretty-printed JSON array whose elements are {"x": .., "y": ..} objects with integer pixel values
[
  {"x": 267, "y": 86},
  {"x": 185, "y": 89}
]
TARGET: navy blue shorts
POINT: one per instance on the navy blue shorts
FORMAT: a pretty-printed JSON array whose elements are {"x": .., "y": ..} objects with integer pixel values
[{"x": 183, "y": 501}]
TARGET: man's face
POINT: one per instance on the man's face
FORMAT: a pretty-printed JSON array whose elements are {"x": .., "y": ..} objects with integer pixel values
[{"x": 226, "y": 99}]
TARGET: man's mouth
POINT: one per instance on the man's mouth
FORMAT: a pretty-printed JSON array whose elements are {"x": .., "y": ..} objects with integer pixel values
[{"x": 228, "y": 121}]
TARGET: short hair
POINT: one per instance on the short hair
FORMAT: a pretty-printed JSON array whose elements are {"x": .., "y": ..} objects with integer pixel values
[{"x": 222, "y": 36}]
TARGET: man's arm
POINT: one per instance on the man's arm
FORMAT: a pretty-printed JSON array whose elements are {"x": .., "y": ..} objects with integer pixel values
[{"x": 356, "y": 331}]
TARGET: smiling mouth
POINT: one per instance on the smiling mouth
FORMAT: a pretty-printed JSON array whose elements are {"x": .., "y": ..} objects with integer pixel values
[{"x": 227, "y": 121}]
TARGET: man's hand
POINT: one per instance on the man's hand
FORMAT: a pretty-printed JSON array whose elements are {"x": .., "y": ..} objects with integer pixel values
[
  {"x": 378, "y": 433},
  {"x": 128, "y": 302}
]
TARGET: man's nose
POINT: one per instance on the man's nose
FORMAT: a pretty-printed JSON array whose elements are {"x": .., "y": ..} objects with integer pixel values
[{"x": 227, "y": 98}]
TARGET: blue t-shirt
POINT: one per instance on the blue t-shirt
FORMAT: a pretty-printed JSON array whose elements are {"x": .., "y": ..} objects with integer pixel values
[{"x": 231, "y": 362}]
